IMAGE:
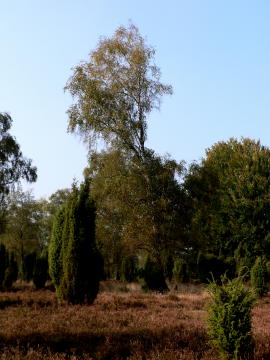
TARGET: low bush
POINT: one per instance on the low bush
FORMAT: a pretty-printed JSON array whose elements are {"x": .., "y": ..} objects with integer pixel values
[
  {"x": 230, "y": 319},
  {"x": 258, "y": 277}
]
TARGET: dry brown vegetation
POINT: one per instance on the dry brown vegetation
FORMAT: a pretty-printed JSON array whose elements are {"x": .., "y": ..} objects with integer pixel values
[{"x": 131, "y": 325}]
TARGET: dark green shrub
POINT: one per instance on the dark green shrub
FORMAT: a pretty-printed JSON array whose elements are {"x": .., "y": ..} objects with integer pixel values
[
  {"x": 168, "y": 267},
  {"x": 28, "y": 266},
  {"x": 8, "y": 280},
  {"x": 55, "y": 256},
  {"x": 3, "y": 263},
  {"x": 268, "y": 270},
  {"x": 230, "y": 319},
  {"x": 210, "y": 265},
  {"x": 180, "y": 271},
  {"x": 130, "y": 268},
  {"x": 154, "y": 277},
  {"x": 80, "y": 263},
  {"x": 230, "y": 266},
  {"x": 11, "y": 272},
  {"x": 258, "y": 276},
  {"x": 244, "y": 261},
  {"x": 40, "y": 274}
]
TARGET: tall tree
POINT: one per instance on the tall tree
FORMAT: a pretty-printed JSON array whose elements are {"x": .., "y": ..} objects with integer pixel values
[{"x": 115, "y": 90}]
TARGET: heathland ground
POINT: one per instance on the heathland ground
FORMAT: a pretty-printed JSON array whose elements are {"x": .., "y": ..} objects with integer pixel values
[{"x": 123, "y": 323}]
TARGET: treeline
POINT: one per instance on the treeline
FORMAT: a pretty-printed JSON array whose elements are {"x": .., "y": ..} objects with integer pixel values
[{"x": 209, "y": 218}]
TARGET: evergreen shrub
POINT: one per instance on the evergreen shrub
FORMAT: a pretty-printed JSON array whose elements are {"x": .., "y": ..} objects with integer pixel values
[
  {"x": 40, "y": 273},
  {"x": 74, "y": 261},
  {"x": 180, "y": 271},
  {"x": 3, "y": 263},
  {"x": 130, "y": 268},
  {"x": 29, "y": 261},
  {"x": 154, "y": 276},
  {"x": 168, "y": 266},
  {"x": 230, "y": 319},
  {"x": 11, "y": 271},
  {"x": 258, "y": 276},
  {"x": 210, "y": 265}
]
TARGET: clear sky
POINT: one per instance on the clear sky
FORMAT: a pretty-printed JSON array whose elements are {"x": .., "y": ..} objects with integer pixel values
[{"x": 215, "y": 54}]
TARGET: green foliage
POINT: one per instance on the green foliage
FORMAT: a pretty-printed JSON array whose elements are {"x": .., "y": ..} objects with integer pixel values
[
  {"x": 130, "y": 268},
  {"x": 75, "y": 263},
  {"x": 24, "y": 228},
  {"x": 154, "y": 276},
  {"x": 116, "y": 112},
  {"x": 28, "y": 266},
  {"x": 180, "y": 271},
  {"x": 136, "y": 191},
  {"x": 210, "y": 265},
  {"x": 168, "y": 267},
  {"x": 40, "y": 274},
  {"x": 267, "y": 264},
  {"x": 55, "y": 248},
  {"x": 231, "y": 186},
  {"x": 11, "y": 272},
  {"x": 230, "y": 319},
  {"x": 13, "y": 165},
  {"x": 3, "y": 263},
  {"x": 258, "y": 276}
]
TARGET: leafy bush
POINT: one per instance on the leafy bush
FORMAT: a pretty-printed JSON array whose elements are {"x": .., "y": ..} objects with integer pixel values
[
  {"x": 230, "y": 319},
  {"x": 258, "y": 276}
]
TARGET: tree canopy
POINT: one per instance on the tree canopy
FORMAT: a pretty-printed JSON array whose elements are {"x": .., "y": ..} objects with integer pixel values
[
  {"x": 13, "y": 165},
  {"x": 230, "y": 191},
  {"x": 115, "y": 90}
]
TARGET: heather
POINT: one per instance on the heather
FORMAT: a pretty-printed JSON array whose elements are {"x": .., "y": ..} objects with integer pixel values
[{"x": 119, "y": 325}]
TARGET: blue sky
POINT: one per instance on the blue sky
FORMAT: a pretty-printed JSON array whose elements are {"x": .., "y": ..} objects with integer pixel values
[{"x": 215, "y": 54}]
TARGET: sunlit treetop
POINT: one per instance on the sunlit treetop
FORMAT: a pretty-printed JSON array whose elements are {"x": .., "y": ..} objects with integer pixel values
[{"x": 115, "y": 90}]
